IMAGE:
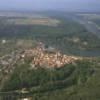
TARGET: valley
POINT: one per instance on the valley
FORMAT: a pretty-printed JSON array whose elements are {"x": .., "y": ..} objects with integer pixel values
[{"x": 49, "y": 55}]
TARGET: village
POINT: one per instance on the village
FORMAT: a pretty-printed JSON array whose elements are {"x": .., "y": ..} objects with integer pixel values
[
  {"x": 41, "y": 56},
  {"x": 48, "y": 57}
]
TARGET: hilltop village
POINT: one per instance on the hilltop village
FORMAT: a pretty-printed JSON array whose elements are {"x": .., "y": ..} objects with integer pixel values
[
  {"x": 39, "y": 56},
  {"x": 48, "y": 57}
]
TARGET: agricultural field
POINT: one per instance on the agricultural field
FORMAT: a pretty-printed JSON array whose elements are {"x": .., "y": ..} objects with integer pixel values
[
  {"x": 90, "y": 16},
  {"x": 97, "y": 22},
  {"x": 34, "y": 21},
  {"x": 64, "y": 34},
  {"x": 93, "y": 18}
]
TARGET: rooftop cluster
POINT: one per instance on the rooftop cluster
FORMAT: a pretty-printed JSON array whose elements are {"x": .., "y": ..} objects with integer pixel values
[{"x": 48, "y": 57}]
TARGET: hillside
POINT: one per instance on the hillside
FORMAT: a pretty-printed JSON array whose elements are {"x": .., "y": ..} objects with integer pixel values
[
  {"x": 78, "y": 80},
  {"x": 48, "y": 57}
]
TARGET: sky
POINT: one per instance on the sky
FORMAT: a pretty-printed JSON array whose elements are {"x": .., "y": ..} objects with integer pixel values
[{"x": 63, "y": 5}]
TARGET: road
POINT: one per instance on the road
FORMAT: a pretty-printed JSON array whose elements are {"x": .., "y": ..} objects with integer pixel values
[{"x": 89, "y": 25}]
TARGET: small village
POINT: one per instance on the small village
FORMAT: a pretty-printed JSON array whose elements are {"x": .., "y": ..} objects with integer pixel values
[
  {"x": 48, "y": 57},
  {"x": 41, "y": 56}
]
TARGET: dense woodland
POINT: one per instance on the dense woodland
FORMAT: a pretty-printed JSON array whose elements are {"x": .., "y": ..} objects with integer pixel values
[{"x": 78, "y": 80}]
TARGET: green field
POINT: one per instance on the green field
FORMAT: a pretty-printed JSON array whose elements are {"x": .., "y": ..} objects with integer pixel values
[
  {"x": 97, "y": 21},
  {"x": 68, "y": 36},
  {"x": 95, "y": 18},
  {"x": 34, "y": 21}
]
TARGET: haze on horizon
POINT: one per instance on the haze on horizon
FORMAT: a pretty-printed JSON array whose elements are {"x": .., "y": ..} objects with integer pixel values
[{"x": 60, "y": 5}]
